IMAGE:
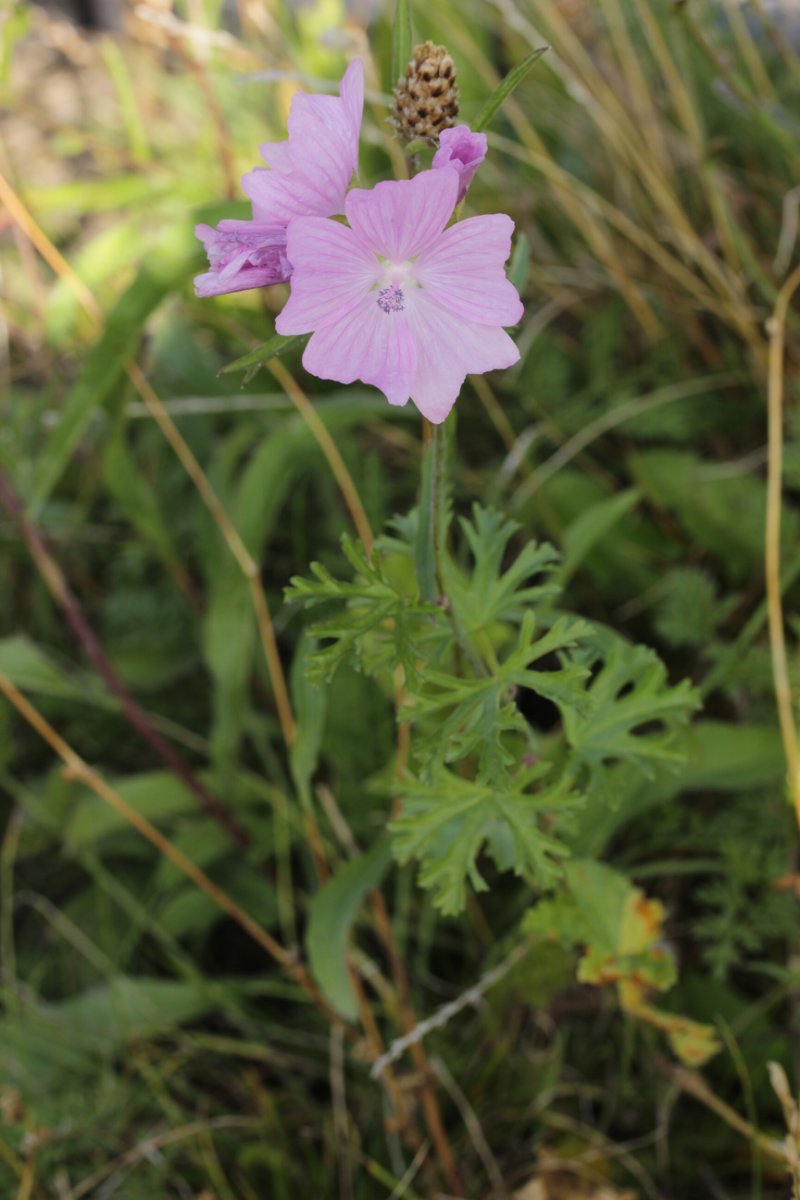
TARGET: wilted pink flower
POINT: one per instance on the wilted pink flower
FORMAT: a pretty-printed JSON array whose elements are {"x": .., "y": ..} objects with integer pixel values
[
  {"x": 462, "y": 150},
  {"x": 241, "y": 255},
  {"x": 397, "y": 300},
  {"x": 309, "y": 175}
]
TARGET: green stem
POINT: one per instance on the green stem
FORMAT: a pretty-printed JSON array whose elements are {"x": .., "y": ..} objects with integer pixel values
[{"x": 439, "y": 507}]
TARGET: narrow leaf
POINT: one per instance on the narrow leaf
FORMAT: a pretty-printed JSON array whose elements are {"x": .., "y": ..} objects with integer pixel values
[
  {"x": 512, "y": 80},
  {"x": 583, "y": 534},
  {"x": 273, "y": 348},
  {"x": 309, "y": 701},
  {"x": 331, "y": 915},
  {"x": 100, "y": 381}
]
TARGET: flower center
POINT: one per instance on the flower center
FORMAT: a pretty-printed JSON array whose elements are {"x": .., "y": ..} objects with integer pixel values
[{"x": 390, "y": 299}]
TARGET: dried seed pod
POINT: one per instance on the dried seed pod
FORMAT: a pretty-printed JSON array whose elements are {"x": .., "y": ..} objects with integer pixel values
[{"x": 426, "y": 98}]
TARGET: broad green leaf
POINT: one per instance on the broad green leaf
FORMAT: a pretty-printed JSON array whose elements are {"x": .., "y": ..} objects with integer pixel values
[
  {"x": 591, "y": 527},
  {"x": 27, "y": 666},
  {"x": 512, "y": 80},
  {"x": 721, "y": 513},
  {"x": 101, "y": 380},
  {"x": 620, "y": 930},
  {"x": 107, "y": 258},
  {"x": 401, "y": 41},
  {"x": 332, "y": 913},
  {"x": 157, "y": 795},
  {"x": 47, "y": 1045},
  {"x": 274, "y": 347}
]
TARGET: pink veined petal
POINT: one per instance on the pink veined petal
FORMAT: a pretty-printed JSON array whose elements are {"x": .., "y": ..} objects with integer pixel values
[
  {"x": 331, "y": 273},
  {"x": 401, "y": 218},
  {"x": 448, "y": 349},
  {"x": 367, "y": 344},
  {"x": 324, "y": 157},
  {"x": 464, "y": 271},
  {"x": 276, "y": 155},
  {"x": 309, "y": 174},
  {"x": 242, "y": 255},
  {"x": 351, "y": 92},
  {"x": 339, "y": 114},
  {"x": 279, "y": 196}
]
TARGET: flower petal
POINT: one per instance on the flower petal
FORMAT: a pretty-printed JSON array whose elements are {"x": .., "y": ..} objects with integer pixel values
[
  {"x": 464, "y": 271},
  {"x": 401, "y": 218},
  {"x": 367, "y": 344},
  {"x": 310, "y": 173},
  {"x": 462, "y": 151},
  {"x": 448, "y": 349},
  {"x": 242, "y": 255},
  {"x": 331, "y": 273}
]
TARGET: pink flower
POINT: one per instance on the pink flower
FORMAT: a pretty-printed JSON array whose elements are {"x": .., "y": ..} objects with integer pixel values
[
  {"x": 462, "y": 150},
  {"x": 241, "y": 255},
  {"x": 397, "y": 300},
  {"x": 310, "y": 175}
]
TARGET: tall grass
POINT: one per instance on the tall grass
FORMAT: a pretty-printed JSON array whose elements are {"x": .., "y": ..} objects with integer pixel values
[{"x": 162, "y": 1033}]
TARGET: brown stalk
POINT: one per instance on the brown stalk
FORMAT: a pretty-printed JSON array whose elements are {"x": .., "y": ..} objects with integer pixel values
[
  {"x": 59, "y": 588},
  {"x": 78, "y": 769},
  {"x": 772, "y": 549},
  {"x": 158, "y": 412}
]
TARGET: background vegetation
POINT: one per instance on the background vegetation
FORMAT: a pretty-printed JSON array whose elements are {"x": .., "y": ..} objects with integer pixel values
[{"x": 152, "y": 1043}]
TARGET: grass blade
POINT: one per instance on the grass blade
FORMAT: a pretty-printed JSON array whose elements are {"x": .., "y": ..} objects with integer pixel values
[{"x": 512, "y": 80}]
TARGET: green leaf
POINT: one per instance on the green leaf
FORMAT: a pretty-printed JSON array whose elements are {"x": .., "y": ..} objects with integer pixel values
[
  {"x": 472, "y": 715},
  {"x": 487, "y": 594},
  {"x": 101, "y": 380},
  {"x": 136, "y": 495},
  {"x": 633, "y": 713},
  {"x": 376, "y": 622},
  {"x": 310, "y": 702},
  {"x": 620, "y": 930},
  {"x": 229, "y": 638},
  {"x": 512, "y": 80},
  {"x": 27, "y": 666},
  {"x": 158, "y": 795},
  {"x": 401, "y": 41},
  {"x": 332, "y": 912},
  {"x": 520, "y": 262},
  {"x": 274, "y": 347},
  {"x": 50, "y": 1044},
  {"x": 446, "y": 822},
  {"x": 583, "y": 534}
]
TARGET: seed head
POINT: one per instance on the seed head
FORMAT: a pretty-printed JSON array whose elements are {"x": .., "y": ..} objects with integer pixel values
[{"x": 426, "y": 97}]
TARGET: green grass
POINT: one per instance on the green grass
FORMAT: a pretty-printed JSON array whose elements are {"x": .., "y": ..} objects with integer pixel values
[{"x": 148, "y": 1046}]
